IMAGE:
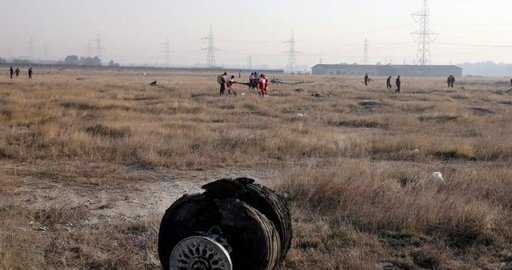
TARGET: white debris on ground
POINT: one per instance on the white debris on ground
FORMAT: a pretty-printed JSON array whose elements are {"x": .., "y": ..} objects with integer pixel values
[{"x": 437, "y": 177}]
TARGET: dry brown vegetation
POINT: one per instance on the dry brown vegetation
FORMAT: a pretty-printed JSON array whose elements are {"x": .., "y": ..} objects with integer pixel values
[{"x": 77, "y": 150}]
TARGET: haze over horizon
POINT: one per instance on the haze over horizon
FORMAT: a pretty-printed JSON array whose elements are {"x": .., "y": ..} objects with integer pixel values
[{"x": 133, "y": 31}]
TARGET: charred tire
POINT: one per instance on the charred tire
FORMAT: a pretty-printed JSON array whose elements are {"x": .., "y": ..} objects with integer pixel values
[
  {"x": 266, "y": 201},
  {"x": 252, "y": 237}
]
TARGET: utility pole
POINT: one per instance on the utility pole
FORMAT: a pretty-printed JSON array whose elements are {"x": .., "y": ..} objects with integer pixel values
[
  {"x": 292, "y": 53},
  {"x": 365, "y": 52},
  {"x": 210, "y": 50},
  {"x": 424, "y": 37}
]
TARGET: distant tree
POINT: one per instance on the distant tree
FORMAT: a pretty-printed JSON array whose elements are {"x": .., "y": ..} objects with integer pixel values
[
  {"x": 21, "y": 61},
  {"x": 72, "y": 60},
  {"x": 90, "y": 61},
  {"x": 113, "y": 64}
]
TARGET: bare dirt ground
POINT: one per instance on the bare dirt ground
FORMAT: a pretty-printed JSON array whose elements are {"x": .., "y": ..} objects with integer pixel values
[{"x": 89, "y": 161}]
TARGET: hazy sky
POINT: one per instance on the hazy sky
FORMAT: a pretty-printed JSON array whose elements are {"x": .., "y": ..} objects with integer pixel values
[{"x": 133, "y": 31}]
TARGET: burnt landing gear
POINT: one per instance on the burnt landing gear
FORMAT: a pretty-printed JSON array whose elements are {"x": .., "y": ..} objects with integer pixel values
[{"x": 234, "y": 225}]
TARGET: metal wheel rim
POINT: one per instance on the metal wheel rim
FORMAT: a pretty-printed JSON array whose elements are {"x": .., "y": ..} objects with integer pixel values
[{"x": 199, "y": 253}]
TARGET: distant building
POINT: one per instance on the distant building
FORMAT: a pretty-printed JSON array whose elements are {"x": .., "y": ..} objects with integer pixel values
[{"x": 387, "y": 70}]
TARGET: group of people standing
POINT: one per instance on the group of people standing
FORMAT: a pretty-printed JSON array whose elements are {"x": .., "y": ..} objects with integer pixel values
[
  {"x": 258, "y": 82},
  {"x": 226, "y": 84},
  {"x": 398, "y": 82},
  {"x": 16, "y": 72},
  {"x": 451, "y": 81}
]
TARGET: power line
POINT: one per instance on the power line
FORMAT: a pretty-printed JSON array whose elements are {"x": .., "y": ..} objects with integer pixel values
[
  {"x": 210, "y": 50},
  {"x": 423, "y": 36}
]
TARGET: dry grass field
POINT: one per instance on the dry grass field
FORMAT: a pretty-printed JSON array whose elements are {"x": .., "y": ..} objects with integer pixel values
[{"x": 89, "y": 161}]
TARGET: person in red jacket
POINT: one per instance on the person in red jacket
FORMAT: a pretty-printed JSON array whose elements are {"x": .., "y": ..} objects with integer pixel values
[{"x": 263, "y": 85}]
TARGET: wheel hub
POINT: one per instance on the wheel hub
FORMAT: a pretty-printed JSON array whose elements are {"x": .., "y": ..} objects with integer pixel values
[{"x": 199, "y": 253}]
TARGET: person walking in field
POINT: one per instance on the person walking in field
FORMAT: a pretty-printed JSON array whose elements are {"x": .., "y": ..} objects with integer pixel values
[
  {"x": 388, "y": 83},
  {"x": 222, "y": 80},
  {"x": 11, "y": 72},
  {"x": 263, "y": 85},
  {"x": 366, "y": 79},
  {"x": 17, "y": 71},
  {"x": 398, "y": 83},
  {"x": 30, "y": 73}
]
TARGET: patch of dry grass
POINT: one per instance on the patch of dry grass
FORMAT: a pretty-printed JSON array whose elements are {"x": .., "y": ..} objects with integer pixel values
[{"x": 355, "y": 161}]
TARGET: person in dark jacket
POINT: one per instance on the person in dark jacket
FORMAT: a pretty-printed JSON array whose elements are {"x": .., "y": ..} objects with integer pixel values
[
  {"x": 11, "y": 72},
  {"x": 30, "y": 72},
  {"x": 398, "y": 83},
  {"x": 388, "y": 83},
  {"x": 366, "y": 79},
  {"x": 222, "y": 80},
  {"x": 17, "y": 71}
]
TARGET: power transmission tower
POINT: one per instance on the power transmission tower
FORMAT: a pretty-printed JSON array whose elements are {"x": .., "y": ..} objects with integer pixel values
[
  {"x": 99, "y": 48},
  {"x": 31, "y": 49},
  {"x": 424, "y": 37},
  {"x": 167, "y": 52},
  {"x": 210, "y": 50},
  {"x": 292, "y": 53},
  {"x": 365, "y": 53},
  {"x": 45, "y": 52},
  {"x": 89, "y": 49},
  {"x": 249, "y": 62}
]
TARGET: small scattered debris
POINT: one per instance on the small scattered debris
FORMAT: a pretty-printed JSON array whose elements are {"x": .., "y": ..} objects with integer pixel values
[
  {"x": 278, "y": 81},
  {"x": 317, "y": 95},
  {"x": 482, "y": 111},
  {"x": 299, "y": 90},
  {"x": 370, "y": 103},
  {"x": 301, "y": 115},
  {"x": 154, "y": 83},
  {"x": 437, "y": 177}
]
